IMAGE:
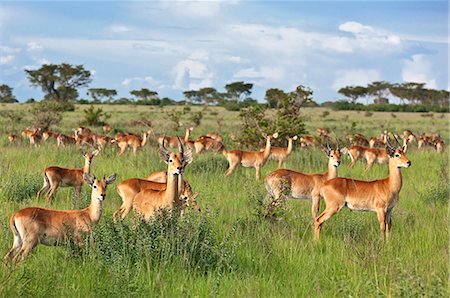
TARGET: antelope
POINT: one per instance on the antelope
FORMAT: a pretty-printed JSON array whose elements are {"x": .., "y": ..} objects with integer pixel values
[
  {"x": 371, "y": 155},
  {"x": 83, "y": 131},
  {"x": 281, "y": 154},
  {"x": 379, "y": 196},
  {"x": 63, "y": 140},
  {"x": 408, "y": 137},
  {"x": 439, "y": 145},
  {"x": 308, "y": 141},
  {"x": 13, "y": 138},
  {"x": 49, "y": 134},
  {"x": 56, "y": 176},
  {"x": 33, "y": 225},
  {"x": 207, "y": 143},
  {"x": 148, "y": 201},
  {"x": 324, "y": 134},
  {"x": 26, "y": 133},
  {"x": 376, "y": 142},
  {"x": 35, "y": 137},
  {"x": 102, "y": 141},
  {"x": 249, "y": 159},
  {"x": 84, "y": 138},
  {"x": 288, "y": 183},
  {"x": 107, "y": 128},
  {"x": 172, "y": 142},
  {"x": 131, "y": 140},
  {"x": 358, "y": 139},
  {"x": 129, "y": 188}
]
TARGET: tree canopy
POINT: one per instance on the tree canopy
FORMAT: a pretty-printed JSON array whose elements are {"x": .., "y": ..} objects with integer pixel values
[
  {"x": 236, "y": 89},
  {"x": 6, "y": 95},
  {"x": 98, "y": 94}
]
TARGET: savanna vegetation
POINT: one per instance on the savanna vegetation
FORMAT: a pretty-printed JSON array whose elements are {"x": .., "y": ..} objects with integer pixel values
[{"x": 233, "y": 247}]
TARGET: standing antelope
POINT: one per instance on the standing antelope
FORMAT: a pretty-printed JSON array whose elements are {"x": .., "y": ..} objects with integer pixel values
[
  {"x": 172, "y": 142},
  {"x": 281, "y": 154},
  {"x": 378, "y": 142},
  {"x": 64, "y": 177},
  {"x": 281, "y": 183},
  {"x": 207, "y": 143},
  {"x": 249, "y": 159},
  {"x": 379, "y": 196},
  {"x": 358, "y": 139},
  {"x": 148, "y": 201},
  {"x": 33, "y": 225},
  {"x": 63, "y": 140},
  {"x": 49, "y": 134},
  {"x": 371, "y": 155},
  {"x": 129, "y": 188},
  {"x": 131, "y": 140},
  {"x": 308, "y": 141},
  {"x": 13, "y": 138}
]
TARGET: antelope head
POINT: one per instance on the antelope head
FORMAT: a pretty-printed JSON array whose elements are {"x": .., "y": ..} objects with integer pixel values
[
  {"x": 334, "y": 155},
  {"x": 99, "y": 186},
  {"x": 397, "y": 155},
  {"x": 176, "y": 161}
]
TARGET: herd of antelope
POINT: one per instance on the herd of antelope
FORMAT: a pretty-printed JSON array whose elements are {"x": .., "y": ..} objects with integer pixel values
[{"x": 170, "y": 190}]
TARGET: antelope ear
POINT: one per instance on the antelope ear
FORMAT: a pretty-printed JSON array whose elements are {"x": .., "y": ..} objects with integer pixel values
[
  {"x": 187, "y": 156},
  {"x": 295, "y": 138},
  {"x": 111, "y": 179},
  {"x": 390, "y": 151},
  {"x": 95, "y": 152},
  {"x": 326, "y": 151},
  {"x": 275, "y": 135},
  {"x": 164, "y": 155},
  {"x": 405, "y": 148},
  {"x": 82, "y": 152},
  {"x": 88, "y": 179}
]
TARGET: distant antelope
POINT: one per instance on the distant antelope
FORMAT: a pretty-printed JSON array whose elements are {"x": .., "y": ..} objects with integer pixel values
[
  {"x": 358, "y": 139},
  {"x": 35, "y": 137},
  {"x": 284, "y": 183},
  {"x": 131, "y": 140},
  {"x": 324, "y": 133},
  {"x": 249, "y": 159},
  {"x": 64, "y": 177},
  {"x": 439, "y": 145},
  {"x": 370, "y": 155},
  {"x": 379, "y": 196},
  {"x": 34, "y": 225},
  {"x": 378, "y": 142},
  {"x": 13, "y": 138},
  {"x": 308, "y": 141},
  {"x": 107, "y": 128},
  {"x": 148, "y": 201},
  {"x": 203, "y": 143},
  {"x": 63, "y": 140},
  {"x": 49, "y": 134},
  {"x": 172, "y": 142},
  {"x": 281, "y": 154},
  {"x": 83, "y": 131}
]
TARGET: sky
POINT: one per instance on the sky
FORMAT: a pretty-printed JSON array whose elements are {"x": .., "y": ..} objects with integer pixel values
[{"x": 174, "y": 46}]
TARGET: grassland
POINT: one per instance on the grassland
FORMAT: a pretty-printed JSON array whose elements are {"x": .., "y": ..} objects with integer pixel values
[{"x": 228, "y": 249}]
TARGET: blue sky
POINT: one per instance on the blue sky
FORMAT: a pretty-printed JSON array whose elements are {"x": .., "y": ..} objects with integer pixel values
[{"x": 173, "y": 46}]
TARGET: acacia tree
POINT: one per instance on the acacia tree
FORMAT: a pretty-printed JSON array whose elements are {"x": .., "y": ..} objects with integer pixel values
[
  {"x": 191, "y": 95},
  {"x": 353, "y": 92},
  {"x": 275, "y": 96},
  {"x": 59, "y": 82},
  {"x": 236, "y": 89},
  {"x": 6, "y": 95},
  {"x": 380, "y": 90},
  {"x": 145, "y": 94},
  {"x": 98, "y": 94},
  {"x": 300, "y": 96},
  {"x": 207, "y": 95}
]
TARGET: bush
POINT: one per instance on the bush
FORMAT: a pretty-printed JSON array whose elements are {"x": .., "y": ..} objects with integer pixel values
[
  {"x": 47, "y": 113},
  {"x": 93, "y": 117}
]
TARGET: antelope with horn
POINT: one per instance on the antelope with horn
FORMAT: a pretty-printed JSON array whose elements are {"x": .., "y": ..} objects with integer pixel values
[
  {"x": 63, "y": 140},
  {"x": 148, "y": 201},
  {"x": 56, "y": 176},
  {"x": 131, "y": 140},
  {"x": 370, "y": 155},
  {"x": 281, "y": 154},
  {"x": 32, "y": 226},
  {"x": 379, "y": 196},
  {"x": 207, "y": 143},
  {"x": 249, "y": 159},
  {"x": 172, "y": 142},
  {"x": 285, "y": 183}
]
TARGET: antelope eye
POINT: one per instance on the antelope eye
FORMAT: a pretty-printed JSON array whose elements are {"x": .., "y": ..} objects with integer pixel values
[
  {"x": 397, "y": 155},
  {"x": 170, "y": 160},
  {"x": 95, "y": 186}
]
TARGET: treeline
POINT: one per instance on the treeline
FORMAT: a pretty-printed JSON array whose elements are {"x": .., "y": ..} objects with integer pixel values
[{"x": 60, "y": 83}]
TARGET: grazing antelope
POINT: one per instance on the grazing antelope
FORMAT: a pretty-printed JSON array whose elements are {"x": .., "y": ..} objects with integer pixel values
[
  {"x": 102, "y": 141},
  {"x": 64, "y": 177},
  {"x": 131, "y": 140},
  {"x": 439, "y": 145},
  {"x": 13, "y": 138},
  {"x": 207, "y": 143},
  {"x": 249, "y": 159},
  {"x": 35, "y": 137},
  {"x": 49, "y": 134},
  {"x": 33, "y": 225},
  {"x": 107, "y": 128},
  {"x": 63, "y": 140},
  {"x": 324, "y": 134},
  {"x": 378, "y": 142},
  {"x": 370, "y": 155},
  {"x": 308, "y": 141},
  {"x": 84, "y": 138},
  {"x": 408, "y": 137},
  {"x": 379, "y": 196},
  {"x": 148, "y": 201},
  {"x": 129, "y": 188},
  {"x": 83, "y": 131},
  {"x": 281, "y": 154},
  {"x": 172, "y": 142},
  {"x": 281, "y": 183},
  {"x": 358, "y": 139}
]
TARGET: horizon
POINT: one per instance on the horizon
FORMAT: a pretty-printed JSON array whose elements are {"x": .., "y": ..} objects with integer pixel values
[{"x": 174, "y": 46}]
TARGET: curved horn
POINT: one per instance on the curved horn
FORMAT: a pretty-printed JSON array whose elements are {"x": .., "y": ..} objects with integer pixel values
[
  {"x": 398, "y": 143},
  {"x": 388, "y": 143},
  {"x": 328, "y": 146},
  {"x": 338, "y": 145},
  {"x": 180, "y": 146}
]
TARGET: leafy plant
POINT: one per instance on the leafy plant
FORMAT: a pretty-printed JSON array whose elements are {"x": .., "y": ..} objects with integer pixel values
[{"x": 95, "y": 117}]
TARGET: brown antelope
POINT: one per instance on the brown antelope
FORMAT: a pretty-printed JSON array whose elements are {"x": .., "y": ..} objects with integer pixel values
[
  {"x": 370, "y": 155},
  {"x": 83, "y": 131},
  {"x": 129, "y": 188},
  {"x": 378, "y": 142},
  {"x": 131, "y": 140},
  {"x": 439, "y": 145},
  {"x": 308, "y": 141},
  {"x": 249, "y": 159},
  {"x": 148, "y": 201},
  {"x": 84, "y": 138},
  {"x": 102, "y": 141},
  {"x": 207, "y": 143},
  {"x": 324, "y": 134},
  {"x": 358, "y": 139},
  {"x": 408, "y": 137},
  {"x": 49, "y": 134},
  {"x": 33, "y": 225},
  {"x": 26, "y": 133},
  {"x": 35, "y": 137},
  {"x": 13, "y": 138},
  {"x": 281, "y": 154},
  {"x": 288, "y": 183},
  {"x": 172, "y": 142},
  {"x": 107, "y": 128},
  {"x": 55, "y": 177},
  {"x": 379, "y": 196},
  {"x": 63, "y": 140}
]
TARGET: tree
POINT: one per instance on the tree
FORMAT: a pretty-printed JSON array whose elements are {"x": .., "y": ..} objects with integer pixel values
[
  {"x": 145, "y": 94},
  {"x": 6, "y": 95},
  {"x": 191, "y": 95},
  {"x": 298, "y": 97},
  {"x": 98, "y": 94},
  {"x": 93, "y": 117},
  {"x": 353, "y": 92},
  {"x": 59, "y": 81},
  {"x": 275, "y": 96},
  {"x": 236, "y": 89},
  {"x": 380, "y": 90},
  {"x": 207, "y": 95}
]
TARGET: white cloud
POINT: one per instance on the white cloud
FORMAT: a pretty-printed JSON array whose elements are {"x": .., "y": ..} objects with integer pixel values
[
  {"x": 9, "y": 50},
  {"x": 120, "y": 29},
  {"x": 192, "y": 74},
  {"x": 6, "y": 59},
  {"x": 355, "y": 77},
  {"x": 237, "y": 59},
  {"x": 196, "y": 8},
  {"x": 356, "y": 28},
  {"x": 419, "y": 70},
  {"x": 146, "y": 80},
  {"x": 33, "y": 46},
  {"x": 270, "y": 74}
]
